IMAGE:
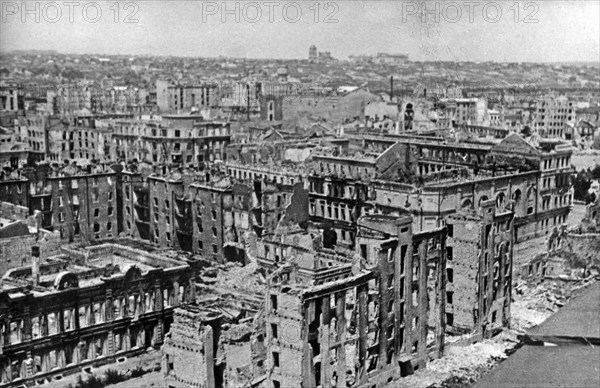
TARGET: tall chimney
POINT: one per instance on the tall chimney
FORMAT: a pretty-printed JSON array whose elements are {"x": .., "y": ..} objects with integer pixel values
[
  {"x": 35, "y": 264},
  {"x": 391, "y": 88},
  {"x": 248, "y": 102}
]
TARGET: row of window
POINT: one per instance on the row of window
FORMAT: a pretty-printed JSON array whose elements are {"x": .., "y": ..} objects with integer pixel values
[
  {"x": 88, "y": 315},
  {"x": 336, "y": 211},
  {"x": 245, "y": 174},
  {"x": 564, "y": 161},
  {"x": 90, "y": 348}
]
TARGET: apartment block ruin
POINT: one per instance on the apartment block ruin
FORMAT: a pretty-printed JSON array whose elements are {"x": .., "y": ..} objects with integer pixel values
[
  {"x": 360, "y": 319},
  {"x": 78, "y": 202},
  {"x": 186, "y": 140},
  {"x": 479, "y": 270}
]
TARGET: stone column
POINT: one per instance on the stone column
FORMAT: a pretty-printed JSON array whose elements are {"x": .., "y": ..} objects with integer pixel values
[
  {"x": 362, "y": 325},
  {"x": 158, "y": 306},
  {"x": 176, "y": 293},
  {"x": 109, "y": 317},
  {"x": 324, "y": 340},
  {"x": 341, "y": 338},
  {"x": 209, "y": 354}
]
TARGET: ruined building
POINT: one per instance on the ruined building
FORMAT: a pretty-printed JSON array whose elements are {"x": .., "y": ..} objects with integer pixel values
[
  {"x": 186, "y": 140},
  {"x": 211, "y": 215},
  {"x": 172, "y": 95},
  {"x": 435, "y": 179},
  {"x": 77, "y": 138},
  {"x": 205, "y": 349},
  {"x": 219, "y": 340},
  {"x": 338, "y": 317},
  {"x": 78, "y": 202},
  {"x": 184, "y": 210},
  {"x": 85, "y": 308},
  {"x": 479, "y": 270},
  {"x": 19, "y": 232},
  {"x": 349, "y": 319}
]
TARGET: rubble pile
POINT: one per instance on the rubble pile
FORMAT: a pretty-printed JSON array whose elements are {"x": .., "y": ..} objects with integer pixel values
[
  {"x": 234, "y": 290},
  {"x": 532, "y": 304},
  {"x": 461, "y": 364},
  {"x": 241, "y": 278}
]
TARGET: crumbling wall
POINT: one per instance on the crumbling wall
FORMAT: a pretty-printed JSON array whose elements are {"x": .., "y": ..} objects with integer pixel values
[
  {"x": 13, "y": 212},
  {"x": 397, "y": 162},
  {"x": 584, "y": 247},
  {"x": 462, "y": 275},
  {"x": 188, "y": 352},
  {"x": 296, "y": 211},
  {"x": 235, "y": 353},
  {"x": 16, "y": 251},
  {"x": 285, "y": 350}
]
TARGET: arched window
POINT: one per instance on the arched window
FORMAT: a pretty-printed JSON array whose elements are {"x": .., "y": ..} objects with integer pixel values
[
  {"x": 500, "y": 200},
  {"x": 516, "y": 196},
  {"x": 482, "y": 199},
  {"x": 466, "y": 204}
]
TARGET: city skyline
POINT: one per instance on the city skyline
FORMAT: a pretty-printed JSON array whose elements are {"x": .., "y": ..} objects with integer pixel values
[{"x": 565, "y": 31}]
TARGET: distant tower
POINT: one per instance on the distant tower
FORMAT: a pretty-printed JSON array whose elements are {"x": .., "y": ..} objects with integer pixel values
[
  {"x": 282, "y": 74},
  {"x": 312, "y": 52}
]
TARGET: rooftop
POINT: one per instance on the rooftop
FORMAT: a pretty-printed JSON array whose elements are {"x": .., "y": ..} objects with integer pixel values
[{"x": 87, "y": 266}]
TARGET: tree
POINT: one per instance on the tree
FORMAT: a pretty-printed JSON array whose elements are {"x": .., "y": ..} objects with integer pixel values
[
  {"x": 596, "y": 172},
  {"x": 581, "y": 185},
  {"x": 329, "y": 238}
]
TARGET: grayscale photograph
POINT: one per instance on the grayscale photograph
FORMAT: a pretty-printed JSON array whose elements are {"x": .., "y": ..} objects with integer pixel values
[{"x": 300, "y": 194}]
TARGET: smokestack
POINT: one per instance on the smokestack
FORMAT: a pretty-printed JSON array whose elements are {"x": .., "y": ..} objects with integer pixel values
[
  {"x": 391, "y": 88},
  {"x": 35, "y": 264},
  {"x": 248, "y": 102}
]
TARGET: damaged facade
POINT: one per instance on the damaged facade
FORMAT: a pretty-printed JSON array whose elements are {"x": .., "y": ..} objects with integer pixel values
[
  {"x": 186, "y": 140},
  {"x": 479, "y": 270},
  {"x": 436, "y": 179},
  {"x": 87, "y": 307},
  {"x": 78, "y": 202}
]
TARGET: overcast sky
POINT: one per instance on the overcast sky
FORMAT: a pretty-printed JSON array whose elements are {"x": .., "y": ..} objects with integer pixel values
[{"x": 540, "y": 31}]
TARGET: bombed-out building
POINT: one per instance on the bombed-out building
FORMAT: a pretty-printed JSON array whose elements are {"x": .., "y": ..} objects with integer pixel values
[
  {"x": 79, "y": 137},
  {"x": 85, "y": 308},
  {"x": 184, "y": 210},
  {"x": 19, "y": 232},
  {"x": 336, "y": 317},
  {"x": 186, "y": 140},
  {"x": 205, "y": 348},
  {"x": 440, "y": 178},
  {"x": 340, "y": 186},
  {"x": 79, "y": 202},
  {"x": 479, "y": 270}
]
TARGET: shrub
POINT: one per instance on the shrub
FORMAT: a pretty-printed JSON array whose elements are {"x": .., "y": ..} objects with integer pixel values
[{"x": 112, "y": 376}]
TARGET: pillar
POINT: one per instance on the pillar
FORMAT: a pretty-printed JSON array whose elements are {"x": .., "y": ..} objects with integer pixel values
[
  {"x": 109, "y": 317},
  {"x": 158, "y": 306},
  {"x": 324, "y": 340}
]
